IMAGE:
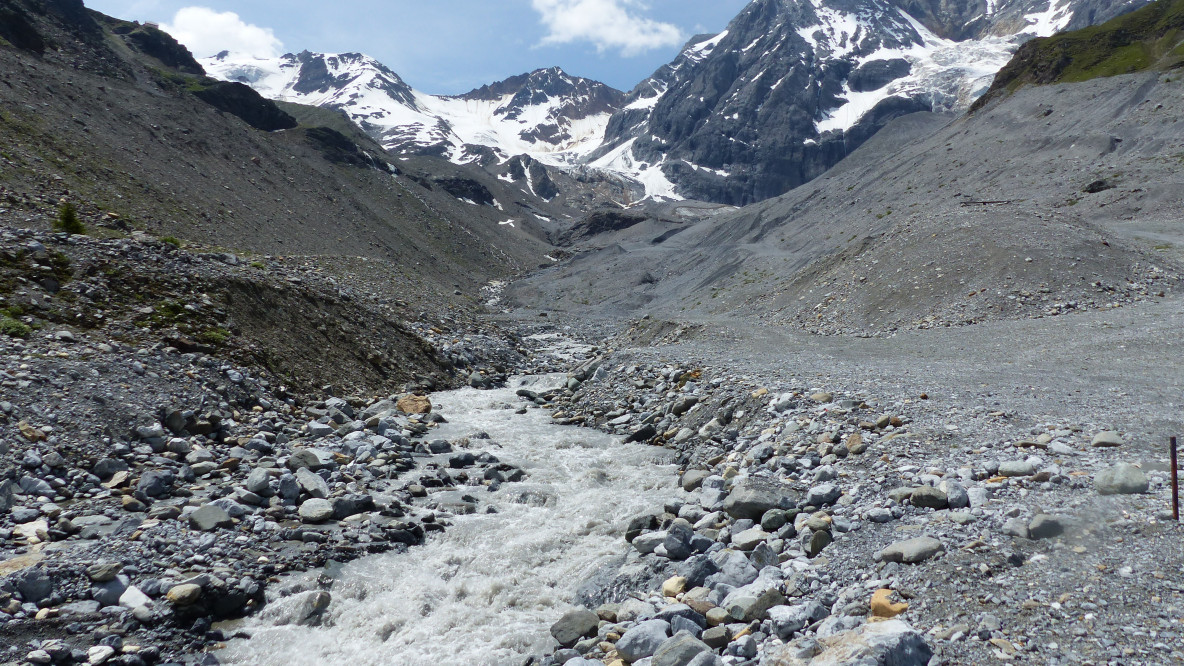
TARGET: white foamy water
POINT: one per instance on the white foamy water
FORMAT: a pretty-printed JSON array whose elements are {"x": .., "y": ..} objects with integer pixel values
[{"x": 487, "y": 590}]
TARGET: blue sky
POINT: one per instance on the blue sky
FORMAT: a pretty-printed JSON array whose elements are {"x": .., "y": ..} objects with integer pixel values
[{"x": 450, "y": 46}]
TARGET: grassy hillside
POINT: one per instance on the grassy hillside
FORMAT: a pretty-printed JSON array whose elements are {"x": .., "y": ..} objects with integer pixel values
[{"x": 1150, "y": 38}]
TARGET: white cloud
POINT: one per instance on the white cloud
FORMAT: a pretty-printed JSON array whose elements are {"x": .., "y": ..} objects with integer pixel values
[
  {"x": 206, "y": 32},
  {"x": 608, "y": 24}
]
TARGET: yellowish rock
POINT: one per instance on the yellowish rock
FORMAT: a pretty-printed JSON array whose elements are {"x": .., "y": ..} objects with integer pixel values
[
  {"x": 32, "y": 434},
  {"x": 674, "y": 586},
  {"x": 414, "y": 404},
  {"x": 883, "y": 606},
  {"x": 184, "y": 595}
]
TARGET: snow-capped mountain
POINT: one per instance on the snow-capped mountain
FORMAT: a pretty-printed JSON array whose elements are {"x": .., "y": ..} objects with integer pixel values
[
  {"x": 783, "y": 94},
  {"x": 792, "y": 86},
  {"x": 546, "y": 114}
]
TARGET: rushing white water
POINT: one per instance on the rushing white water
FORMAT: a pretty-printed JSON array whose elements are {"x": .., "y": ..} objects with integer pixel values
[{"x": 487, "y": 590}]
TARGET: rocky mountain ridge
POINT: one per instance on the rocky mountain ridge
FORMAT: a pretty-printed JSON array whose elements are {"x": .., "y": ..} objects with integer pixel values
[
  {"x": 779, "y": 97},
  {"x": 546, "y": 114}
]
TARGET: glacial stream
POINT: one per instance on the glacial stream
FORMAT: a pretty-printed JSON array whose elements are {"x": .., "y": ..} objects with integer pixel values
[{"x": 486, "y": 590}]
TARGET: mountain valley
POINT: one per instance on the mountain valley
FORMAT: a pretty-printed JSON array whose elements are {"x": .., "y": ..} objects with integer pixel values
[{"x": 851, "y": 336}]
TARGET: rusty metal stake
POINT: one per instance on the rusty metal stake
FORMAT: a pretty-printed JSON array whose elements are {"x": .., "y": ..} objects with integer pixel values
[{"x": 1175, "y": 485}]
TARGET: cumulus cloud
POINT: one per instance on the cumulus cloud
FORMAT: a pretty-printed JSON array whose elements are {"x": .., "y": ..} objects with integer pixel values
[
  {"x": 206, "y": 32},
  {"x": 608, "y": 24}
]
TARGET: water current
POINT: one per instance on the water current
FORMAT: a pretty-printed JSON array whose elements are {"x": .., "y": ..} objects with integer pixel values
[{"x": 487, "y": 590}]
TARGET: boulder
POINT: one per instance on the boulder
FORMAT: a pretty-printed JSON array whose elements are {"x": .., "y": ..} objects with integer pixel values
[
  {"x": 209, "y": 517},
  {"x": 574, "y": 625},
  {"x": 1122, "y": 479},
  {"x": 312, "y": 484},
  {"x": 414, "y": 404},
  {"x": 928, "y": 497},
  {"x": 753, "y": 497},
  {"x": 1107, "y": 439},
  {"x": 1011, "y": 468},
  {"x": 316, "y": 510},
  {"x": 1045, "y": 526},
  {"x": 891, "y": 642},
  {"x": 789, "y": 620},
  {"x": 643, "y": 640},
  {"x": 184, "y": 595},
  {"x": 679, "y": 650},
  {"x": 823, "y": 495},
  {"x": 912, "y": 551}
]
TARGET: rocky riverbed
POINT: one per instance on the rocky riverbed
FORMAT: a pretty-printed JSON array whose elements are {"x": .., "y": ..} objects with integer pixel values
[{"x": 811, "y": 521}]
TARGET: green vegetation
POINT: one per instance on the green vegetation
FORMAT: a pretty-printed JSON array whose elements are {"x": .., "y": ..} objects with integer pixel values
[
  {"x": 14, "y": 328},
  {"x": 214, "y": 336},
  {"x": 68, "y": 220},
  {"x": 11, "y": 326},
  {"x": 172, "y": 240},
  {"x": 1149, "y": 38}
]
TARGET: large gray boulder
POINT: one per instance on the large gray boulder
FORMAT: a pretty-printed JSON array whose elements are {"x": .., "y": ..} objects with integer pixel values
[
  {"x": 912, "y": 551},
  {"x": 574, "y": 625},
  {"x": 1121, "y": 479},
  {"x": 312, "y": 484},
  {"x": 679, "y": 650},
  {"x": 751, "y": 498},
  {"x": 210, "y": 517},
  {"x": 789, "y": 620},
  {"x": 643, "y": 640},
  {"x": 889, "y": 643}
]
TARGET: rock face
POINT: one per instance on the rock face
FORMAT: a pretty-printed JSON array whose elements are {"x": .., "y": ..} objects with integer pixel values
[
  {"x": 770, "y": 103},
  {"x": 536, "y": 113}
]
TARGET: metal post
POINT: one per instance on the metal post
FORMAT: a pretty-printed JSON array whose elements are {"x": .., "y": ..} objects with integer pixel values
[{"x": 1175, "y": 484}]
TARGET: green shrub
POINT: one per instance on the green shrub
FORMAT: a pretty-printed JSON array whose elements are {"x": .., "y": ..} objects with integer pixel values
[
  {"x": 172, "y": 240},
  {"x": 14, "y": 327},
  {"x": 68, "y": 220}
]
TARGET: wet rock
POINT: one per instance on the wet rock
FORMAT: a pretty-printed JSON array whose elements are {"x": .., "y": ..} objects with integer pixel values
[
  {"x": 1121, "y": 479},
  {"x": 574, "y": 625},
  {"x": 912, "y": 551}
]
